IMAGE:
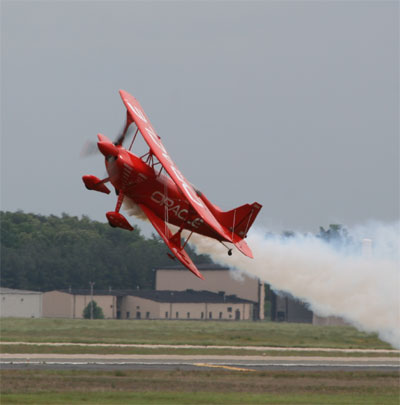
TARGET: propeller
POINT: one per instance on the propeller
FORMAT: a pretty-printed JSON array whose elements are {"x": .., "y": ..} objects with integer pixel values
[
  {"x": 121, "y": 137},
  {"x": 90, "y": 148}
]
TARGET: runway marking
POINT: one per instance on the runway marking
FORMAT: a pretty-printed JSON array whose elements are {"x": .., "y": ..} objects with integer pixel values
[
  {"x": 222, "y": 366},
  {"x": 227, "y": 366}
]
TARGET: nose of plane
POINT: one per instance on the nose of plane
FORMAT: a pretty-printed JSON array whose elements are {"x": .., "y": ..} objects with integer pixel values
[{"x": 107, "y": 148}]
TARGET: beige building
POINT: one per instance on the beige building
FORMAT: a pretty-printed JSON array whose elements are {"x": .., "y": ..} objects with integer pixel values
[
  {"x": 71, "y": 303},
  {"x": 189, "y": 304},
  {"x": 20, "y": 303},
  {"x": 136, "y": 304},
  {"x": 217, "y": 279}
]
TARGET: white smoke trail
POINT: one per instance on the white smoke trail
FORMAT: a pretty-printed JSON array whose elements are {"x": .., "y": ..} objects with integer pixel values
[
  {"x": 364, "y": 291},
  {"x": 133, "y": 209}
]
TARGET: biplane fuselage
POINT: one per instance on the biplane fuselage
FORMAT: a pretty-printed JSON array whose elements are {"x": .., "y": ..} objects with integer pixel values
[
  {"x": 160, "y": 191},
  {"x": 144, "y": 184}
]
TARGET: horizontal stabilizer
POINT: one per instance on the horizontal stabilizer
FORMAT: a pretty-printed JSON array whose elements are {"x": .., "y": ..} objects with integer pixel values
[{"x": 244, "y": 248}]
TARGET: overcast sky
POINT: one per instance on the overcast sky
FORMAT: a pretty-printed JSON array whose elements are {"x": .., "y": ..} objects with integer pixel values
[{"x": 291, "y": 104}]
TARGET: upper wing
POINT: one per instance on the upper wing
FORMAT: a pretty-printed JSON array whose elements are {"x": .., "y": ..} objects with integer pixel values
[{"x": 153, "y": 140}]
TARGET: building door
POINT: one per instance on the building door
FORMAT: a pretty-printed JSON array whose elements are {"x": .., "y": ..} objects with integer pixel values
[
  {"x": 237, "y": 315},
  {"x": 119, "y": 304}
]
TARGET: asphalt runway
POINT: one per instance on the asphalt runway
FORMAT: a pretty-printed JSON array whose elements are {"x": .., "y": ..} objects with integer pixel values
[{"x": 195, "y": 362}]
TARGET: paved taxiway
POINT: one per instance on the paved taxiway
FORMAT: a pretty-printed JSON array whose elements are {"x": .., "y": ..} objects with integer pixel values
[{"x": 195, "y": 362}]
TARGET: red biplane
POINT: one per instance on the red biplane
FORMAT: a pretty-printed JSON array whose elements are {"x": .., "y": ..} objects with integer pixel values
[{"x": 165, "y": 197}]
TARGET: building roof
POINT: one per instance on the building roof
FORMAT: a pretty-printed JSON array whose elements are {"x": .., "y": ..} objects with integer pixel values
[
  {"x": 187, "y": 296},
  {"x": 203, "y": 266},
  {"x": 86, "y": 291},
  {"x": 4, "y": 290}
]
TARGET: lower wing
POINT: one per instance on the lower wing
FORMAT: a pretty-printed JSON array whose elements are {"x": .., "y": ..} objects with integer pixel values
[{"x": 172, "y": 241}]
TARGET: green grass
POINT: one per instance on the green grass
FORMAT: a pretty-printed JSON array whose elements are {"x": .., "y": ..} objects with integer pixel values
[
  {"x": 205, "y": 398},
  {"x": 187, "y": 332},
  {"x": 198, "y": 387}
]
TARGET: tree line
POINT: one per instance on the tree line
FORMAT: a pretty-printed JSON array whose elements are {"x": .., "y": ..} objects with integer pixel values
[{"x": 49, "y": 252}]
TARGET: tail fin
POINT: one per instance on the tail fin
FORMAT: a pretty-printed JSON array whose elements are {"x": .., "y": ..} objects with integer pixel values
[{"x": 239, "y": 220}]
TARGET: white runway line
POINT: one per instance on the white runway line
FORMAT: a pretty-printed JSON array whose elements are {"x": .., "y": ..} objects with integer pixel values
[{"x": 231, "y": 366}]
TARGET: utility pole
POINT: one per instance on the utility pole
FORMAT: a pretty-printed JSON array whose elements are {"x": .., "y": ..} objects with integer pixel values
[{"x": 91, "y": 298}]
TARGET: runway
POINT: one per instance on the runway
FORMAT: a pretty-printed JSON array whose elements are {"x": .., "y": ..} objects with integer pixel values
[{"x": 196, "y": 362}]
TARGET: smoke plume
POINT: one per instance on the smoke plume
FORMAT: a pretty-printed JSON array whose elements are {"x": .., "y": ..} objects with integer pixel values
[
  {"x": 133, "y": 209},
  {"x": 361, "y": 288}
]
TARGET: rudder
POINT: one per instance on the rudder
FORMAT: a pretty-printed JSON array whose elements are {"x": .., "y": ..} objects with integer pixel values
[{"x": 239, "y": 220}]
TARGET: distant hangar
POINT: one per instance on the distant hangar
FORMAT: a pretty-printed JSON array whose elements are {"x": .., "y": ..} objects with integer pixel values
[
  {"x": 20, "y": 303},
  {"x": 224, "y": 295}
]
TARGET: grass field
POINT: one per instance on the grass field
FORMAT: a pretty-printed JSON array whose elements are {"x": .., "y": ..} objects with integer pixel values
[
  {"x": 198, "y": 387},
  {"x": 187, "y": 332},
  {"x": 216, "y": 386}
]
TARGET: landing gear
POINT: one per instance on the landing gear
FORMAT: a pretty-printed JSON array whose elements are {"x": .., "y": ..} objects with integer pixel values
[
  {"x": 227, "y": 248},
  {"x": 94, "y": 183},
  {"x": 117, "y": 220}
]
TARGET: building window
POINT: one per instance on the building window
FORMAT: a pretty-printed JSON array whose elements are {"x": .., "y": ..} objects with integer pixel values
[
  {"x": 210, "y": 315},
  {"x": 202, "y": 315},
  {"x": 138, "y": 315},
  {"x": 22, "y": 300},
  {"x": 147, "y": 315},
  {"x": 177, "y": 315},
  {"x": 137, "y": 306},
  {"x": 128, "y": 314},
  {"x": 166, "y": 314},
  {"x": 188, "y": 315},
  {"x": 229, "y": 309},
  {"x": 220, "y": 315}
]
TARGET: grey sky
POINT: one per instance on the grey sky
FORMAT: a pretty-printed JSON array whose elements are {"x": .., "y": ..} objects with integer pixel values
[{"x": 291, "y": 104}]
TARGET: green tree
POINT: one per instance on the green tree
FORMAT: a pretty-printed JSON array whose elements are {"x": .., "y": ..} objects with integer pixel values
[
  {"x": 97, "y": 311},
  {"x": 49, "y": 252}
]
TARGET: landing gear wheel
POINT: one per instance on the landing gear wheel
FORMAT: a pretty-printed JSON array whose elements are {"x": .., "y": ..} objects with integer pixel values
[{"x": 230, "y": 252}]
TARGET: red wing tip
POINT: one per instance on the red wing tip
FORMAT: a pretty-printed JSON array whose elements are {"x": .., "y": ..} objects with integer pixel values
[
  {"x": 196, "y": 272},
  {"x": 200, "y": 276},
  {"x": 124, "y": 95}
]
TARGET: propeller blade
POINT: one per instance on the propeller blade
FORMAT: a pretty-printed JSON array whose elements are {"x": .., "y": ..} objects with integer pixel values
[
  {"x": 89, "y": 149},
  {"x": 124, "y": 132}
]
